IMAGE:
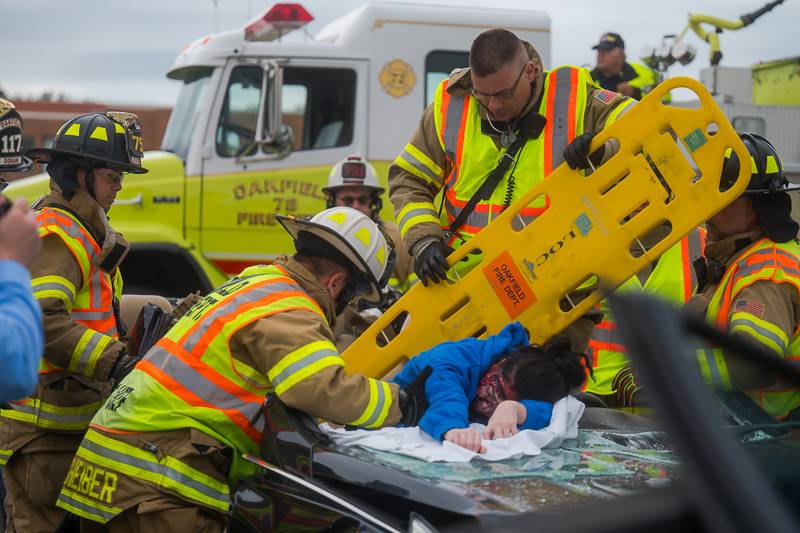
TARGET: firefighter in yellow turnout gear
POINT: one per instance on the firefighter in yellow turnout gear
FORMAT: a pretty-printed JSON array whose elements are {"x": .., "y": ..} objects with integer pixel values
[
  {"x": 504, "y": 104},
  {"x": 353, "y": 182},
  {"x": 168, "y": 443},
  {"x": 78, "y": 285},
  {"x": 749, "y": 283}
]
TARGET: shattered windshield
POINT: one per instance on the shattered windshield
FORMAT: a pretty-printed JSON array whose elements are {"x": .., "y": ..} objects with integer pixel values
[
  {"x": 592, "y": 454},
  {"x": 597, "y": 464}
]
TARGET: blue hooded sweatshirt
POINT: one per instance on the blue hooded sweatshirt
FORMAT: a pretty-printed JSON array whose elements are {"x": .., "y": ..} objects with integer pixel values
[
  {"x": 21, "y": 333},
  {"x": 457, "y": 368}
]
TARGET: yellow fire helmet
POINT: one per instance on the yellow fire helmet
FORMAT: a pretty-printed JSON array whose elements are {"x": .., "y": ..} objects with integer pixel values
[{"x": 346, "y": 236}]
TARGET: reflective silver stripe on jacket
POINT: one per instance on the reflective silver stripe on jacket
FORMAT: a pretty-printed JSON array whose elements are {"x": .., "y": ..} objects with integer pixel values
[
  {"x": 480, "y": 219},
  {"x": 246, "y": 295},
  {"x": 452, "y": 125},
  {"x": 379, "y": 404},
  {"x": 560, "y": 115},
  {"x": 713, "y": 369},
  {"x": 744, "y": 269},
  {"x": 58, "y": 418},
  {"x": 695, "y": 252},
  {"x": 749, "y": 324},
  {"x": 73, "y": 230},
  {"x": 201, "y": 387},
  {"x": 54, "y": 286},
  {"x": 409, "y": 158},
  {"x": 419, "y": 211},
  {"x": 86, "y": 353},
  {"x": 305, "y": 361}
]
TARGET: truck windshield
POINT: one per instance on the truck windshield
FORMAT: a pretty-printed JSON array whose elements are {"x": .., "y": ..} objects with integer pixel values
[{"x": 187, "y": 110}]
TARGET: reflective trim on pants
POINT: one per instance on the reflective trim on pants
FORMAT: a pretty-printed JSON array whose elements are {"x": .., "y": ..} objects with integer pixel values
[
  {"x": 166, "y": 472},
  {"x": 86, "y": 507}
]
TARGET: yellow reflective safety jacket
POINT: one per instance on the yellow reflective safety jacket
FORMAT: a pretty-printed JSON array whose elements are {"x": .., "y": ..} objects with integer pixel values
[
  {"x": 91, "y": 305},
  {"x": 191, "y": 380},
  {"x": 471, "y": 154},
  {"x": 673, "y": 279},
  {"x": 764, "y": 260},
  {"x": 475, "y": 154},
  {"x": 645, "y": 79}
]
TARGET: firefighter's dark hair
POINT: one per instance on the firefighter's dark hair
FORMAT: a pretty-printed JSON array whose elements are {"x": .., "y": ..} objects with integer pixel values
[
  {"x": 320, "y": 256},
  {"x": 492, "y": 50}
]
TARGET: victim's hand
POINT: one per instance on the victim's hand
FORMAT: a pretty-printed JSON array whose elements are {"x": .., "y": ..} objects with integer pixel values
[
  {"x": 504, "y": 421},
  {"x": 466, "y": 438}
]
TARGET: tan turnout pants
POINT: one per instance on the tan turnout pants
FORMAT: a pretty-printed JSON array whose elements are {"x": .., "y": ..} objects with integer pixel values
[
  {"x": 162, "y": 515},
  {"x": 33, "y": 482}
]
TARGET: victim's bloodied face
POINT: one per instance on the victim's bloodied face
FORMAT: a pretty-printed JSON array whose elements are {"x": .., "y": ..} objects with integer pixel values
[{"x": 492, "y": 389}]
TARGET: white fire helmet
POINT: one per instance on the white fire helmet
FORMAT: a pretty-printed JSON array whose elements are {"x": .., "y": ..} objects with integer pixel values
[
  {"x": 354, "y": 236},
  {"x": 353, "y": 171}
]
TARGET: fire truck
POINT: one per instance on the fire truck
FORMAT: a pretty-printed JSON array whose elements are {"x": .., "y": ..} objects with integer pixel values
[{"x": 263, "y": 114}]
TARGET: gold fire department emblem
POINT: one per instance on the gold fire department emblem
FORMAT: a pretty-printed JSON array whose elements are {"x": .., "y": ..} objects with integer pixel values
[{"x": 397, "y": 78}]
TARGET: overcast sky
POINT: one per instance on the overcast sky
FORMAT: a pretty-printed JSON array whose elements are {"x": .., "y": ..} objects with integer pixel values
[{"x": 114, "y": 51}]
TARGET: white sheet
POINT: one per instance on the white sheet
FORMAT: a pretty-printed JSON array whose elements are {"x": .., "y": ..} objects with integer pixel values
[{"x": 416, "y": 443}]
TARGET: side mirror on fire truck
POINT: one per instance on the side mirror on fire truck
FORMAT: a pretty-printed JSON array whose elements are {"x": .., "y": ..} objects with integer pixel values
[{"x": 273, "y": 139}]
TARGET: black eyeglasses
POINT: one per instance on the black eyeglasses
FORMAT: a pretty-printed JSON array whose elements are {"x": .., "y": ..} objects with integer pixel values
[{"x": 505, "y": 94}]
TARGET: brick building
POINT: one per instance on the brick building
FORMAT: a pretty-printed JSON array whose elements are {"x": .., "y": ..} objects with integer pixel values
[{"x": 42, "y": 119}]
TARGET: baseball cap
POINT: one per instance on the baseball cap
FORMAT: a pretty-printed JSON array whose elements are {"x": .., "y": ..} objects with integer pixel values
[{"x": 609, "y": 41}]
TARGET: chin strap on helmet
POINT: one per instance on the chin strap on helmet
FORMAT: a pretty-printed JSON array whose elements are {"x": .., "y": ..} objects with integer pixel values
[
  {"x": 89, "y": 179},
  {"x": 377, "y": 205}
]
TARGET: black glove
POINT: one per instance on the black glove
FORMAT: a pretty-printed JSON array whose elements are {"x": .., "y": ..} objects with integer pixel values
[
  {"x": 431, "y": 263},
  {"x": 388, "y": 297},
  {"x": 413, "y": 401},
  {"x": 122, "y": 367},
  {"x": 576, "y": 154}
]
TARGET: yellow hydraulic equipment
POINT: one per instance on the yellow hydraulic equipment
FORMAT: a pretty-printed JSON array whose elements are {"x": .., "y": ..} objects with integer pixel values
[
  {"x": 673, "y": 49},
  {"x": 696, "y": 22},
  {"x": 545, "y": 274}
]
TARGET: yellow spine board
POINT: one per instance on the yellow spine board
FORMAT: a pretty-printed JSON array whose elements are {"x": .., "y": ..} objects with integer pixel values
[{"x": 588, "y": 230}]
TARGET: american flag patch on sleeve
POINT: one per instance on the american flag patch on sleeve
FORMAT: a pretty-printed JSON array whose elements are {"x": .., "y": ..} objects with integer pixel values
[
  {"x": 605, "y": 96},
  {"x": 750, "y": 306}
]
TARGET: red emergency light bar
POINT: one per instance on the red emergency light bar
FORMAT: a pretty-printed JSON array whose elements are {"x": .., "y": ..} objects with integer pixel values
[{"x": 278, "y": 20}]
